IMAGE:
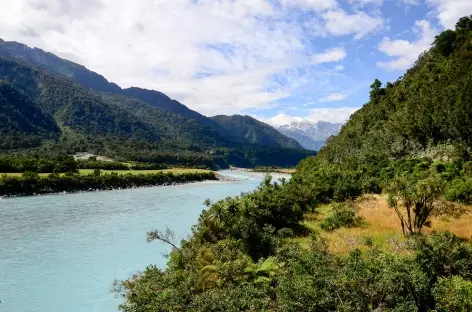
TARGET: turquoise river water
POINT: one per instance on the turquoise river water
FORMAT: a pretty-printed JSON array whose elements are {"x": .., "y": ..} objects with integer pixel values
[{"x": 61, "y": 253}]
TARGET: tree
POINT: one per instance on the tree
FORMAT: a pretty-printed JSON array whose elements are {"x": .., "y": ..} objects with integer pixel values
[{"x": 415, "y": 201}]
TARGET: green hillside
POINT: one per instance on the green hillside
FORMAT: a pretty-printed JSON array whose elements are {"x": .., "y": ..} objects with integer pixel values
[
  {"x": 24, "y": 124},
  {"x": 120, "y": 126},
  {"x": 255, "y": 132}
]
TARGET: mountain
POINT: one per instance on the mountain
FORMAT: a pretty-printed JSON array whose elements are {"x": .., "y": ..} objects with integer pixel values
[
  {"x": 129, "y": 124},
  {"x": 91, "y": 80},
  {"x": 24, "y": 124},
  {"x": 311, "y": 136},
  {"x": 39, "y": 58},
  {"x": 254, "y": 131}
]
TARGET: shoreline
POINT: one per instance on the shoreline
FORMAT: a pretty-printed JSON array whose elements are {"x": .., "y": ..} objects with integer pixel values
[{"x": 87, "y": 184}]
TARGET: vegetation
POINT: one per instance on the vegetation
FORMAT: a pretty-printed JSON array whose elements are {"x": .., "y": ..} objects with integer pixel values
[
  {"x": 343, "y": 215},
  {"x": 83, "y": 112},
  {"x": 30, "y": 183},
  {"x": 412, "y": 140}
]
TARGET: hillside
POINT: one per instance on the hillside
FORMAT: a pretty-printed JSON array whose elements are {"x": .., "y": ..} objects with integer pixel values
[
  {"x": 429, "y": 105},
  {"x": 121, "y": 126},
  {"x": 254, "y": 131},
  {"x": 91, "y": 80},
  {"x": 24, "y": 124}
]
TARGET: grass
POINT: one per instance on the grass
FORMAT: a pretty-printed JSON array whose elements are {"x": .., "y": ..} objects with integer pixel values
[
  {"x": 383, "y": 227},
  {"x": 87, "y": 171}
]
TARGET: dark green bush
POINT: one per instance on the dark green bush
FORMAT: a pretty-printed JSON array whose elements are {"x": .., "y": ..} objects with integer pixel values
[{"x": 343, "y": 215}]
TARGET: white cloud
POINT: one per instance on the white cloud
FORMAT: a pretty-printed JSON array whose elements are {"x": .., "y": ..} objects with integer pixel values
[
  {"x": 406, "y": 52},
  {"x": 317, "y": 5},
  {"x": 448, "y": 12},
  {"x": 165, "y": 44},
  {"x": 334, "y": 97},
  {"x": 330, "y": 55},
  {"x": 339, "y": 23},
  {"x": 339, "y": 68},
  {"x": 280, "y": 120},
  {"x": 334, "y": 115}
]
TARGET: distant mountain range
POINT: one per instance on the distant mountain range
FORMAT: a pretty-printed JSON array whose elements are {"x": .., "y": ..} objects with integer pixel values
[
  {"x": 311, "y": 136},
  {"x": 57, "y": 105}
]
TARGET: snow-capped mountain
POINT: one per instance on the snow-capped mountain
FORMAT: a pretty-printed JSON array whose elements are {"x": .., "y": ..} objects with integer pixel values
[{"x": 311, "y": 136}]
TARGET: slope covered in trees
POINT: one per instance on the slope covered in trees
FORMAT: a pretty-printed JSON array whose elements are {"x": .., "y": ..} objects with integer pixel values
[
  {"x": 411, "y": 141},
  {"x": 24, "y": 124},
  {"x": 91, "y": 80},
  {"x": 254, "y": 131},
  {"x": 120, "y": 126}
]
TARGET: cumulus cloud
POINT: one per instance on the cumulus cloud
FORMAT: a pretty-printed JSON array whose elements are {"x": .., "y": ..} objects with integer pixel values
[
  {"x": 333, "y": 97},
  {"x": 214, "y": 56},
  {"x": 330, "y": 55},
  {"x": 404, "y": 52},
  {"x": 339, "y": 23},
  {"x": 334, "y": 115},
  {"x": 448, "y": 12}
]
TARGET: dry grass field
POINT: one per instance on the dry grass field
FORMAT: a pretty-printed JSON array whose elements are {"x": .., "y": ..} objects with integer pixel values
[{"x": 382, "y": 227}]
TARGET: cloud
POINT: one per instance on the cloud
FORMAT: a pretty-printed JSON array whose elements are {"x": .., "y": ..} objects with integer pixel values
[
  {"x": 448, "y": 12},
  {"x": 280, "y": 120},
  {"x": 330, "y": 55},
  {"x": 334, "y": 115},
  {"x": 333, "y": 97},
  {"x": 406, "y": 52},
  {"x": 339, "y": 23}
]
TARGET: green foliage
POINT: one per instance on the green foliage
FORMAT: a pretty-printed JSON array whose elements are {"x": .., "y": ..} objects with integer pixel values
[
  {"x": 414, "y": 201},
  {"x": 85, "y": 112},
  {"x": 343, "y": 215},
  {"x": 31, "y": 183},
  {"x": 453, "y": 295}
]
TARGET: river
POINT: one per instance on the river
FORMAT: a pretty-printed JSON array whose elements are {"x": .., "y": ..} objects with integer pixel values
[{"x": 61, "y": 253}]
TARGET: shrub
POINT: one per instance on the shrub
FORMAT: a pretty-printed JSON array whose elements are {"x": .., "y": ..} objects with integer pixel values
[
  {"x": 459, "y": 191},
  {"x": 453, "y": 295},
  {"x": 343, "y": 215}
]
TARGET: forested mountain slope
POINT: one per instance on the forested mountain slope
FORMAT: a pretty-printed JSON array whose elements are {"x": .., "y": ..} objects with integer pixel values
[
  {"x": 118, "y": 125},
  {"x": 23, "y": 123},
  {"x": 430, "y": 104},
  {"x": 91, "y": 80},
  {"x": 255, "y": 131}
]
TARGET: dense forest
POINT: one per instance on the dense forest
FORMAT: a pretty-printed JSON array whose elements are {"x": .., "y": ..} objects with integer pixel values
[
  {"x": 411, "y": 141},
  {"x": 94, "y": 115}
]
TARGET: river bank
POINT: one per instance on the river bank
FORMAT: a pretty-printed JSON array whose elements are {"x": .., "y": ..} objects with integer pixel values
[{"x": 34, "y": 184}]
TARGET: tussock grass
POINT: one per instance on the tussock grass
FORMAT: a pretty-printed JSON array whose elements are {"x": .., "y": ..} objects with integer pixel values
[{"x": 382, "y": 227}]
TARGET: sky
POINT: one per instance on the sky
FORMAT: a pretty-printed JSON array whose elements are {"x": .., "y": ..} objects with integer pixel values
[{"x": 277, "y": 60}]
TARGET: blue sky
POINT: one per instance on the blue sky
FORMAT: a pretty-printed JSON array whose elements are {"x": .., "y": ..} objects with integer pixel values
[{"x": 277, "y": 60}]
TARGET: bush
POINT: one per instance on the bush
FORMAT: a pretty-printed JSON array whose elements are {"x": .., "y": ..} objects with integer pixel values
[
  {"x": 453, "y": 295},
  {"x": 343, "y": 215},
  {"x": 459, "y": 191}
]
